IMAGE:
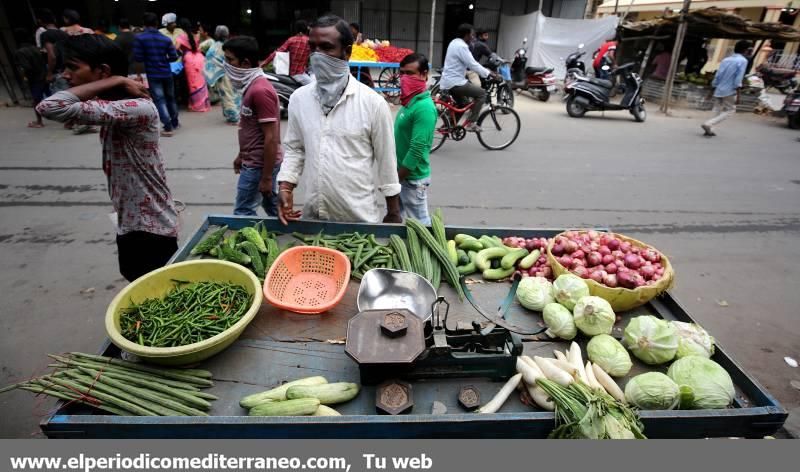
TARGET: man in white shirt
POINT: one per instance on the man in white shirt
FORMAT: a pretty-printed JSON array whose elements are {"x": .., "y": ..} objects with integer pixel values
[
  {"x": 456, "y": 63},
  {"x": 340, "y": 138}
]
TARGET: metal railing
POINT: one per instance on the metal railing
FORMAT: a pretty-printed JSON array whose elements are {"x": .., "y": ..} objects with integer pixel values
[{"x": 783, "y": 60}]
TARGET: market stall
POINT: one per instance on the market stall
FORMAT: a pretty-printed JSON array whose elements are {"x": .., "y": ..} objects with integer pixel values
[
  {"x": 699, "y": 24},
  {"x": 385, "y": 362},
  {"x": 384, "y": 57}
]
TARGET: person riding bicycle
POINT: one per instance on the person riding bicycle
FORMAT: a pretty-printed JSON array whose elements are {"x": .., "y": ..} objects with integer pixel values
[
  {"x": 456, "y": 63},
  {"x": 480, "y": 47}
]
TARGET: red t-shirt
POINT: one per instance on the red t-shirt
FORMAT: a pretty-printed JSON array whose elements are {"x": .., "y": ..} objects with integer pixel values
[{"x": 259, "y": 105}]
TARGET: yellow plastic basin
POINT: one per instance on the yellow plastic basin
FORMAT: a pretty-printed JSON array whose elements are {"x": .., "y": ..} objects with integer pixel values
[{"x": 158, "y": 283}]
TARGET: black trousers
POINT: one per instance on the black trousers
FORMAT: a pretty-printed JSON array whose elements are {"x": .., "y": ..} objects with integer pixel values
[
  {"x": 141, "y": 252},
  {"x": 475, "y": 92}
]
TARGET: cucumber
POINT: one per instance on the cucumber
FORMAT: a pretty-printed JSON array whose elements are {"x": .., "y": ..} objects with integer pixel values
[
  {"x": 489, "y": 241},
  {"x": 452, "y": 252},
  {"x": 463, "y": 257},
  {"x": 469, "y": 268},
  {"x": 471, "y": 244},
  {"x": 497, "y": 274},
  {"x": 528, "y": 261},
  {"x": 512, "y": 257},
  {"x": 460, "y": 238},
  {"x": 297, "y": 407},
  {"x": 327, "y": 394},
  {"x": 484, "y": 257},
  {"x": 278, "y": 393}
]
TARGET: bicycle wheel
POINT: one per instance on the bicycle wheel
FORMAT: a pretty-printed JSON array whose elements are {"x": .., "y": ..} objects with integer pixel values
[
  {"x": 389, "y": 78},
  {"x": 442, "y": 130},
  {"x": 505, "y": 96},
  {"x": 499, "y": 128}
]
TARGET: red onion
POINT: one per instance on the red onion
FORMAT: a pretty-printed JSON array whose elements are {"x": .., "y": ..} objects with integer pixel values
[
  {"x": 565, "y": 261},
  {"x": 579, "y": 254},
  {"x": 596, "y": 275},
  {"x": 638, "y": 280},
  {"x": 581, "y": 271},
  {"x": 577, "y": 262},
  {"x": 571, "y": 234},
  {"x": 625, "y": 279},
  {"x": 613, "y": 244},
  {"x": 652, "y": 255},
  {"x": 625, "y": 246},
  {"x": 611, "y": 268},
  {"x": 570, "y": 247},
  {"x": 635, "y": 250},
  {"x": 659, "y": 272},
  {"x": 542, "y": 259},
  {"x": 607, "y": 259},
  {"x": 547, "y": 271},
  {"x": 592, "y": 234},
  {"x": 632, "y": 261},
  {"x": 610, "y": 280},
  {"x": 621, "y": 268},
  {"x": 604, "y": 250},
  {"x": 618, "y": 254},
  {"x": 647, "y": 272},
  {"x": 594, "y": 258},
  {"x": 558, "y": 250}
]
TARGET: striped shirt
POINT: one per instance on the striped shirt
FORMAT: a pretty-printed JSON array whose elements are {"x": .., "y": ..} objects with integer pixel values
[{"x": 156, "y": 51}]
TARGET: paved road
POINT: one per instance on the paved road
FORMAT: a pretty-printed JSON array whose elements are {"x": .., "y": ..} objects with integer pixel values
[{"x": 727, "y": 210}]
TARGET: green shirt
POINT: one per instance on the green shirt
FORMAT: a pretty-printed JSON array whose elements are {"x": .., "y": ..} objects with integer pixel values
[{"x": 413, "y": 135}]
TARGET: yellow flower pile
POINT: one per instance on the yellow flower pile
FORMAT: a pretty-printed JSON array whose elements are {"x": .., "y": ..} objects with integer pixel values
[{"x": 363, "y": 54}]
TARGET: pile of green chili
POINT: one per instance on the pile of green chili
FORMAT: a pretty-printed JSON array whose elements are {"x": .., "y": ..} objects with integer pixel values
[{"x": 189, "y": 313}]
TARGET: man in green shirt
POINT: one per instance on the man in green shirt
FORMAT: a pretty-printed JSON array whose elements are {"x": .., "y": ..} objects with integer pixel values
[{"x": 413, "y": 134}]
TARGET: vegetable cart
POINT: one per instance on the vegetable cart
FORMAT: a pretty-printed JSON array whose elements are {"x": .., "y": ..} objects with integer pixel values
[
  {"x": 388, "y": 79},
  {"x": 279, "y": 346}
]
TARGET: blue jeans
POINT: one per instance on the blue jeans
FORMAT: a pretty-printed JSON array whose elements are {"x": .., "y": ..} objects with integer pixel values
[
  {"x": 414, "y": 199},
  {"x": 248, "y": 198},
  {"x": 163, "y": 93}
]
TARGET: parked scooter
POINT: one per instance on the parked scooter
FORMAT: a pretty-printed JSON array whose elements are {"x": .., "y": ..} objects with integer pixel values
[
  {"x": 539, "y": 81},
  {"x": 782, "y": 79},
  {"x": 574, "y": 62},
  {"x": 591, "y": 94},
  {"x": 791, "y": 106},
  {"x": 284, "y": 86}
]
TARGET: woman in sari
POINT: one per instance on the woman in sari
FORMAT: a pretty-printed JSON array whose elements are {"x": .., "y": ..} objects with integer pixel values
[
  {"x": 193, "y": 66},
  {"x": 216, "y": 78}
]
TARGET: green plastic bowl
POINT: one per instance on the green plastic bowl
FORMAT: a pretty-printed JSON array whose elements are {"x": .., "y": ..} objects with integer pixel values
[{"x": 158, "y": 283}]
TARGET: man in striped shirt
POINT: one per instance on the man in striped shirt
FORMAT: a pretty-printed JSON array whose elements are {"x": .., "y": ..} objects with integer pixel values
[{"x": 156, "y": 52}]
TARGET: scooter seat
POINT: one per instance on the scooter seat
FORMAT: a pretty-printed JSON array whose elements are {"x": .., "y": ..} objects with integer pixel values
[
  {"x": 602, "y": 82},
  {"x": 538, "y": 70}
]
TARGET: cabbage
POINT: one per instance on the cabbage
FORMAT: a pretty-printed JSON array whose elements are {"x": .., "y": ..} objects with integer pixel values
[
  {"x": 693, "y": 340},
  {"x": 652, "y": 340},
  {"x": 535, "y": 292},
  {"x": 653, "y": 391},
  {"x": 568, "y": 289},
  {"x": 610, "y": 355},
  {"x": 593, "y": 316},
  {"x": 559, "y": 321},
  {"x": 708, "y": 385}
]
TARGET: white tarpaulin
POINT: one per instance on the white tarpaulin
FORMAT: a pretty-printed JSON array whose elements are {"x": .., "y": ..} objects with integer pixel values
[{"x": 550, "y": 40}]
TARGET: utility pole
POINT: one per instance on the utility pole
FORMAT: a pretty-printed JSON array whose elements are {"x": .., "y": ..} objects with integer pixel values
[
  {"x": 676, "y": 52},
  {"x": 433, "y": 23}
]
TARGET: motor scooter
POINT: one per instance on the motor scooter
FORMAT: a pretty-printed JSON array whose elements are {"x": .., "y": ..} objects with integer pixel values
[
  {"x": 791, "y": 106},
  {"x": 284, "y": 86},
  {"x": 539, "y": 81},
  {"x": 592, "y": 94},
  {"x": 781, "y": 79}
]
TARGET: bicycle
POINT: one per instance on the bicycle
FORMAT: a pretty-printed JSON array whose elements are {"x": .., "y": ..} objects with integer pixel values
[{"x": 503, "y": 122}]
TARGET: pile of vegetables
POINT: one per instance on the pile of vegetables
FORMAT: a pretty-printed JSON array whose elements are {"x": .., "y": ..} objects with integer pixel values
[
  {"x": 124, "y": 388},
  {"x": 607, "y": 259},
  {"x": 363, "y": 54},
  {"x": 307, "y": 396},
  {"x": 495, "y": 259},
  {"x": 253, "y": 247},
  {"x": 540, "y": 266},
  {"x": 187, "y": 314},
  {"x": 363, "y": 250},
  {"x": 392, "y": 53}
]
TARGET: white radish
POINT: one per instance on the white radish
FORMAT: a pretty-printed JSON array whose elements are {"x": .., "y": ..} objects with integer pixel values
[
  {"x": 529, "y": 373},
  {"x": 592, "y": 379},
  {"x": 560, "y": 355},
  {"x": 566, "y": 366},
  {"x": 541, "y": 398},
  {"x": 532, "y": 363},
  {"x": 608, "y": 383},
  {"x": 552, "y": 372},
  {"x": 575, "y": 358},
  {"x": 501, "y": 397}
]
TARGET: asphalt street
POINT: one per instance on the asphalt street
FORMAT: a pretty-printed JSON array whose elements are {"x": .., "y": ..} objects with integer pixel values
[{"x": 727, "y": 210}]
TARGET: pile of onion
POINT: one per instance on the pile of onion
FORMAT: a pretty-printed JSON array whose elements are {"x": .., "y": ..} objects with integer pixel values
[
  {"x": 540, "y": 268},
  {"x": 608, "y": 260}
]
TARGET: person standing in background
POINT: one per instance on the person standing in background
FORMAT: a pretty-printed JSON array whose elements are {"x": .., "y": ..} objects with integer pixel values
[
  {"x": 727, "y": 85},
  {"x": 125, "y": 41},
  {"x": 216, "y": 77},
  {"x": 52, "y": 40},
  {"x": 104, "y": 29},
  {"x": 355, "y": 29},
  {"x": 194, "y": 63},
  {"x": 31, "y": 63},
  {"x": 259, "y": 158},
  {"x": 413, "y": 137},
  {"x": 170, "y": 28},
  {"x": 156, "y": 51},
  {"x": 43, "y": 15},
  {"x": 297, "y": 47},
  {"x": 72, "y": 20}
]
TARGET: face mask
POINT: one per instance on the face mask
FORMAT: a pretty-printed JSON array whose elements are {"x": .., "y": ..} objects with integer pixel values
[
  {"x": 411, "y": 86},
  {"x": 241, "y": 78},
  {"x": 332, "y": 75}
]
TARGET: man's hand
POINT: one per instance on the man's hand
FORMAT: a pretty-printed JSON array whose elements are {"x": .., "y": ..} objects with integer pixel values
[
  {"x": 402, "y": 173},
  {"x": 237, "y": 164},
  {"x": 134, "y": 88},
  {"x": 286, "y": 212},
  {"x": 265, "y": 184},
  {"x": 393, "y": 218}
]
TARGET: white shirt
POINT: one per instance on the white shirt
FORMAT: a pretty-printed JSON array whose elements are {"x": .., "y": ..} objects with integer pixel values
[
  {"x": 456, "y": 62},
  {"x": 345, "y": 158}
]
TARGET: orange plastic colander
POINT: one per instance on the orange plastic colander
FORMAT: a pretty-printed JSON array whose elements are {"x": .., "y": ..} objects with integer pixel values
[{"x": 307, "y": 279}]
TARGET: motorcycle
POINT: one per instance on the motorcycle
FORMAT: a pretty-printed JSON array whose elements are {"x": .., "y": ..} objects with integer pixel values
[
  {"x": 539, "y": 81},
  {"x": 781, "y": 79},
  {"x": 284, "y": 86},
  {"x": 791, "y": 106},
  {"x": 592, "y": 94}
]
